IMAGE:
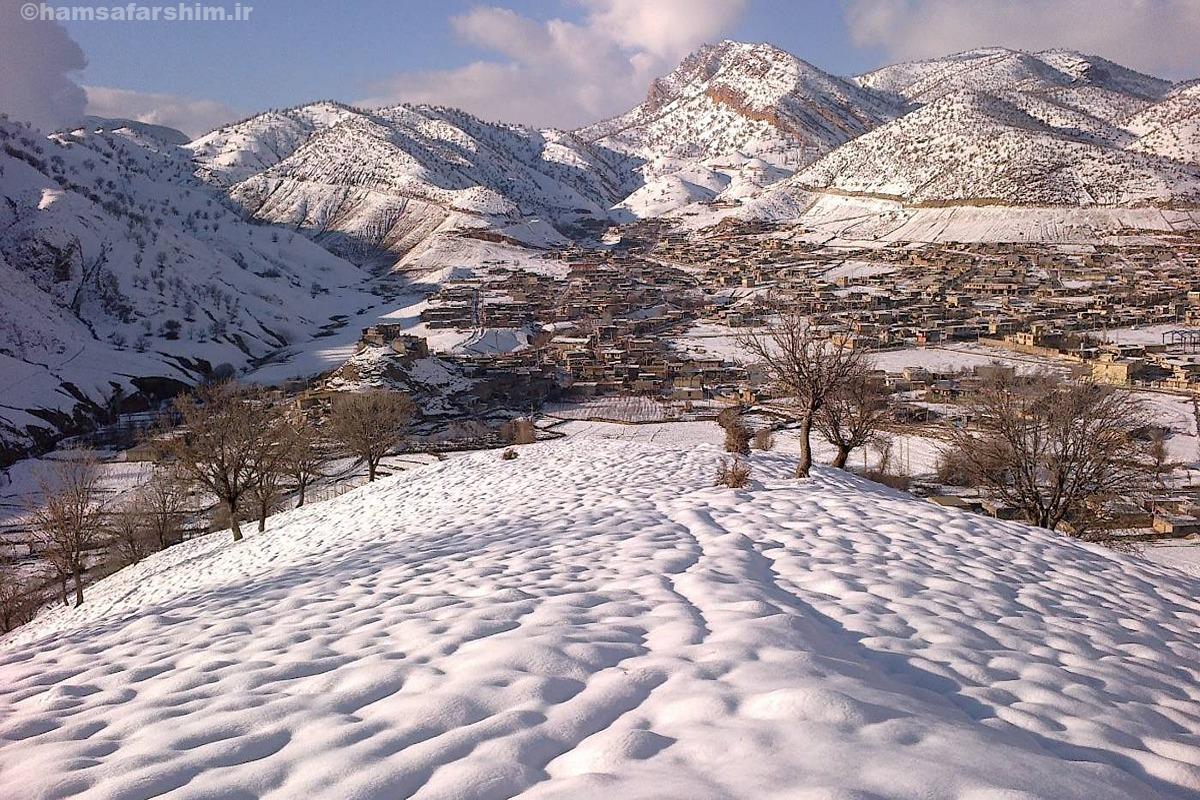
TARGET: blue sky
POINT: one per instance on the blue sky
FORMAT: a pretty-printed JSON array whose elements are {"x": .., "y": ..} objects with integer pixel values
[
  {"x": 288, "y": 52},
  {"x": 542, "y": 62}
]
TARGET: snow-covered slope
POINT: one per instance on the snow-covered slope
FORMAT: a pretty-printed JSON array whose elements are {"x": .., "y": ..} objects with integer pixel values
[
  {"x": 725, "y": 127},
  {"x": 734, "y": 102},
  {"x": 141, "y": 131},
  {"x": 373, "y": 184},
  {"x": 1007, "y": 127},
  {"x": 1171, "y": 127},
  {"x": 753, "y": 98},
  {"x": 237, "y": 151},
  {"x": 595, "y": 620},
  {"x": 120, "y": 269},
  {"x": 977, "y": 147},
  {"x": 1000, "y": 70}
]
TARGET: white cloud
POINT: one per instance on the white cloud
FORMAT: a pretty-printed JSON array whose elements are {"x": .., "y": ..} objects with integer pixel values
[
  {"x": 1155, "y": 36},
  {"x": 37, "y": 63},
  {"x": 191, "y": 116},
  {"x": 563, "y": 73}
]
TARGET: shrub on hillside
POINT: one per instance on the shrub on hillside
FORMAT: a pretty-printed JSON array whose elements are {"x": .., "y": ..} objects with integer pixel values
[
  {"x": 734, "y": 473},
  {"x": 887, "y": 478},
  {"x": 737, "y": 435},
  {"x": 952, "y": 468},
  {"x": 764, "y": 439}
]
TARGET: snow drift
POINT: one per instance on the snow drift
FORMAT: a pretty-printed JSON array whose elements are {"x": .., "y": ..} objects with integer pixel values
[{"x": 596, "y": 619}]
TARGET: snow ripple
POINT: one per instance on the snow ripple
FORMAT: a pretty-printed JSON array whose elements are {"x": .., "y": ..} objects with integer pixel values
[{"x": 594, "y": 619}]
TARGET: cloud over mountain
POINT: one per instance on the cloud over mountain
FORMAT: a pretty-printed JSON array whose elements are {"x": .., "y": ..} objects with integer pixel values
[
  {"x": 559, "y": 72},
  {"x": 1157, "y": 36},
  {"x": 37, "y": 59},
  {"x": 193, "y": 117}
]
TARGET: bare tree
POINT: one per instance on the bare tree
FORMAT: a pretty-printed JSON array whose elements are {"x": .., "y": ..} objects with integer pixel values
[
  {"x": 853, "y": 414},
  {"x": 735, "y": 474},
  {"x": 162, "y": 505},
  {"x": 16, "y": 597},
  {"x": 150, "y": 518},
  {"x": 305, "y": 456},
  {"x": 1056, "y": 451},
  {"x": 223, "y": 430},
  {"x": 69, "y": 520},
  {"x": 1158, "y": 457},
  {"x": 764, "y": 439},
  {"x": 128, "y": 533},
  {"x": 269, "y": 468},
  {"x": 371, "y": 424},
  {"x": 805, "y": 366}
]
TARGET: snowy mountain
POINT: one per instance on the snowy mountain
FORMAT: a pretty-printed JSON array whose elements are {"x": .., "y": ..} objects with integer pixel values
[
  {"x": 999, "y": 70},
  {"x": 729, "y": 126},
  {"x": 143, "y": 131},
  {"x": 372, "y": 184},
  {"x": 1005, "y": 127},
  {"x": 595, "y": 620},
  {"x": 973, "y": 147},
  {"x": 731, "y": 119},
  {"x": 750, "y": 98},
  {"x": 125, "y": 276}
]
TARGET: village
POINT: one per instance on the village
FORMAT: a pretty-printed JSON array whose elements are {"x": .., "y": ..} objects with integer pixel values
[
  {"x": 618, "y": 319},
  {"x": 656, "y": 320}
]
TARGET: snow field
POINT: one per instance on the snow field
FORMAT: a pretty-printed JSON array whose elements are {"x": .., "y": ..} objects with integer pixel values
[{"x": 595, "y": 619}]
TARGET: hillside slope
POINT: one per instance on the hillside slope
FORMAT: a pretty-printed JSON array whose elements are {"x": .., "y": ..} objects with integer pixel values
[
  {"x": 121, "y": 272},
  {"x": 732, "y": 118},
  {"x": 753, "y": 98},
  {"x": 974, "y": 147},
  {"x": 1000, "y": 70},
  {"x": 1005, "y": 127},
  {"x": 371, "y": 185},
  {"x": 595, "y": 620}
]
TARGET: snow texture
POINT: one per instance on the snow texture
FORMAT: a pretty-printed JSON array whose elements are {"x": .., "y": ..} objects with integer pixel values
[{"x": 595, "y": 620}]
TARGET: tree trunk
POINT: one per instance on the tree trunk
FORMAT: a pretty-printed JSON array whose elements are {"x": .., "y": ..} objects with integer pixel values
[
  {"x": 262, "y": 517},
  {"x": 233, "y": 521},
  {"x": 805, "y": 446},
  {"x": 79, "y": 586},
  {"x": 300, "y": 495},
  {"x": 63, "y": 589},
  {"x": 371, "y": 465},
  {"x": 843, "y": 455}
]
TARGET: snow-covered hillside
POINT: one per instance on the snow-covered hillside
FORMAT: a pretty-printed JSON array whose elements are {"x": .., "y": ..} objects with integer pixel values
[
  {"x": 730, "y": 106},
  {"x": 753, "y": 98},
  {"x": 1170, "y": 128},
  {"x": 999, "y": 70},
  {"x": 595, "y": 620},
  {"x": 726, "y": 127},
  {"x": 973, "y": 147},
  {"x": 1007, "y": 127},
  {"x": 373, "y": 184},
  {"x": 120, "y": 269}
]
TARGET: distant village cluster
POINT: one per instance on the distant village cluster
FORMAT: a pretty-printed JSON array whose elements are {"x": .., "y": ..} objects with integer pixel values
[
  {"x": 616, "y": 320},
  {"x": 658, "y": 318},
  {"x": 1033, "y": 299}
]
